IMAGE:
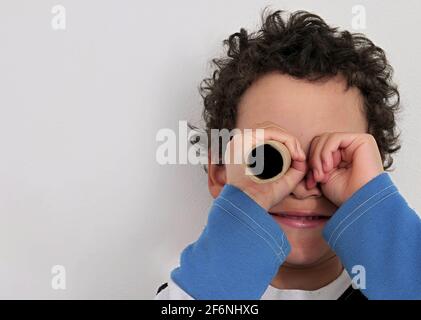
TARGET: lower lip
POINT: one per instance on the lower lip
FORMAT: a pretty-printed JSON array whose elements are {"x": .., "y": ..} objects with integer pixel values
[{"x": 300, "y": 222}]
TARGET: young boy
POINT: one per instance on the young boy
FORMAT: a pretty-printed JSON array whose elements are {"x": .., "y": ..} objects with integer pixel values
[{"x": 336, "y": 214}]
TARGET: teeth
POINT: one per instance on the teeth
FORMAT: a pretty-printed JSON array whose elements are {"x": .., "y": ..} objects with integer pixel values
[
  {"x": 302, "y": 218},
  {"x": 299, "y": 217}
]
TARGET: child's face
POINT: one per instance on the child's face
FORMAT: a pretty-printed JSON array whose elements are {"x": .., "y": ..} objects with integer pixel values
[{"x": 305, "y": 110}]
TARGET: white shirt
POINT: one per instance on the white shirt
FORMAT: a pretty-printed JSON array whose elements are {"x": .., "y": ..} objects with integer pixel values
[{"x": 332, "y": 291}]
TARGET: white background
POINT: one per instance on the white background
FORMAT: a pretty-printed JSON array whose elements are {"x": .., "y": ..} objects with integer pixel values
[{"x": 79, "y": 112}]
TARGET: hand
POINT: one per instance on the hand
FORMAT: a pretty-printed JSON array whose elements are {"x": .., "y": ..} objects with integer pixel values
[
  {"x": 343, "y": 163},
  {"x": 271, "y": 193}
]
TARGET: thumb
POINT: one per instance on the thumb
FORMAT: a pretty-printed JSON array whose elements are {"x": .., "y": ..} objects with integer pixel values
[{"x": 293, "y": 176}]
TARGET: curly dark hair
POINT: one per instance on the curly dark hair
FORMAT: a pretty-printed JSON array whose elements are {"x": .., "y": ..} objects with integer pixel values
[{"x": 305, "y": 47}]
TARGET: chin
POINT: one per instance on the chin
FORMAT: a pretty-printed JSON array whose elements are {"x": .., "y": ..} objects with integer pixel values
[{"x": 307, "y": 248}]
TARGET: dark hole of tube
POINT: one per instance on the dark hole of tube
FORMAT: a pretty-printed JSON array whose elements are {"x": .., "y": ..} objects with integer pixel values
[{"x": 272, "y": 161}]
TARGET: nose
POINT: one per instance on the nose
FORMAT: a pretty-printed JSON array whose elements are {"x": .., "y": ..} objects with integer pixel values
[{"x": 301, "y": 191}]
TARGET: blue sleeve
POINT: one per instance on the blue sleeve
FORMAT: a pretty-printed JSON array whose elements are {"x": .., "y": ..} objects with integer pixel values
[
  {"x": 376, "y": 229},
  {"x": 238, "y": 253}
]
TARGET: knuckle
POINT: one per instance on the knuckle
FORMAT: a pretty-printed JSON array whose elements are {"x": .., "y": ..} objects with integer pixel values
[
  {"x": 370, "y": 138},
  {"x": 288, "y": 183}
]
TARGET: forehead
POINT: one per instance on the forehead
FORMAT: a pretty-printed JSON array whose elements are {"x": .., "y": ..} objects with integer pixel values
[{"x": 303, "y": 108}]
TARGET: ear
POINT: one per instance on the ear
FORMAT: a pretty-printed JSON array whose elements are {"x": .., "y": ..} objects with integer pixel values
[{"x": 216, "y": 177}]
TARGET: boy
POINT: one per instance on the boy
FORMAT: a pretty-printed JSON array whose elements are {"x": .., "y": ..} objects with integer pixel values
[{"x": 329, "y": 97}]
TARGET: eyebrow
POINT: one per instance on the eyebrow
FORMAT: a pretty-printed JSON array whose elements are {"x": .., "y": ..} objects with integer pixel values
[{"x": 266, "y": 124}]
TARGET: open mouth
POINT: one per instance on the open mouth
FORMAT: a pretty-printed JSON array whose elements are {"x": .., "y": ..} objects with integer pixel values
[
  {"x": 300, "y": 220},
  {"x": 302, "y": 217}
]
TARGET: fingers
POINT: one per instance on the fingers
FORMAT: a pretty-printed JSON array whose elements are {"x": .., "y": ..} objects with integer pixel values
[
  {"x": 291, "y": 142},
  {"x": 293, "y": 176},
  {"x": 315, "y": 161},
  {"x": 328, "y": 150}
]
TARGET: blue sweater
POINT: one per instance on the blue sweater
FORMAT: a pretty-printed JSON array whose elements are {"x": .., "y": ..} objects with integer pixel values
[{"x": 241, "y": 248}]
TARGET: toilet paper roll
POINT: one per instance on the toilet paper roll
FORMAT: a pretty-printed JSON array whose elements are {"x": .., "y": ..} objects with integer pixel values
[{"x": 272, "y": 160}]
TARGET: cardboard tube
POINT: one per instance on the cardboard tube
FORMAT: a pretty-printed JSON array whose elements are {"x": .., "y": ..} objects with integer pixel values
[{"x": 276, "y": 161}]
